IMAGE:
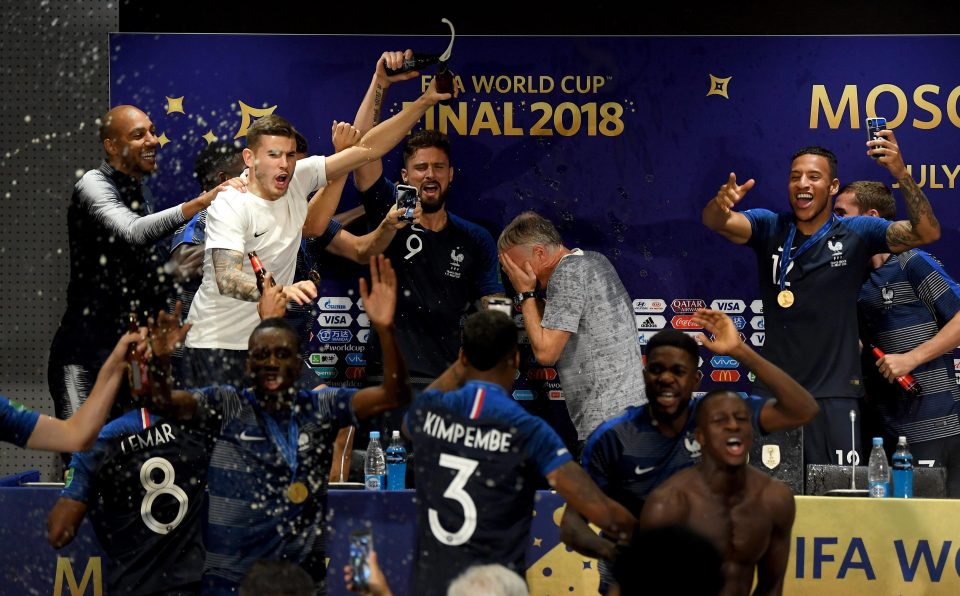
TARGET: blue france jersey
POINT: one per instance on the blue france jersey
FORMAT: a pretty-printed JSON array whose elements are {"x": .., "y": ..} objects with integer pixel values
[
  {"x": 815, "y": 340},
  {"x": 251, "y": 516},
  {"x": 904, "y": 303},
  {"x": 144, "y": 482},
  {"x": 628, "y": 458},
  {"x": 478, "y": 457},
  {"x": 16, "y": 422}
]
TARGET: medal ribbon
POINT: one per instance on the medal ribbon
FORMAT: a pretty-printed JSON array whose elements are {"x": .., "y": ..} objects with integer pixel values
[
  {"x": 786, "y": 257},
  {"x": 287, "y": 446}
]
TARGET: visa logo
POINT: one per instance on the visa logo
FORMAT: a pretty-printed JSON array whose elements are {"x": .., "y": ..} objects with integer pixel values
[
  {"x": 325, "y": 372},
  {"x": 523, "y": 395},
  {"x": 363, "y": 335},
  {"x": 335, "y": 336},
  {"x": 739, "y": 321},
  {"x": 355, "y": 359},
  {"x": 728, "y": 306},
  {"x": 337, "y": 320},
  {"x": 724, "y": 362},
  {"x": 335, "y": 303}
]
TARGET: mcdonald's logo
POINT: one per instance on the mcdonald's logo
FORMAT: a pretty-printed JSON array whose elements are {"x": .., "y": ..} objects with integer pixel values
[
  {"x": 725, "y": 376},
  {"x": 355, "y": 372}
]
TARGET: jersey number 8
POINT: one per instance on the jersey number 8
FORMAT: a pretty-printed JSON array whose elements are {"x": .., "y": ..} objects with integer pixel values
[{"x": 154, "y": 490}]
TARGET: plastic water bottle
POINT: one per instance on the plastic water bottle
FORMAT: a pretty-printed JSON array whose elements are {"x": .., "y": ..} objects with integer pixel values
[
  {"x": 374, "y": 465},
  {"x": 902, "y": 471},
  {"x": 878, "y": 473},
  {"x": 396, "y": 463}
]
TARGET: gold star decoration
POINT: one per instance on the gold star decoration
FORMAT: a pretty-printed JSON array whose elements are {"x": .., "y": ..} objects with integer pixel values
[
  {"x": 163, "y": 140},
  {"x": 718, "y": 86},
  {"x": 246, "y": 115},
  {"x": 209, "y": 137},
  {"x": 175, "y": 104},
  {"x": 537, "y": 541}
]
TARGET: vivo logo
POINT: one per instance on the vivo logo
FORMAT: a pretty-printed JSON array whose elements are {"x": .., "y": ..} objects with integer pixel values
[
  {"x": 523, "y": 395},
  {"x": 728, "y": 306},
  {"x": 335, "y": 303},
  {"x": 355, "y": 359},
  {"x": 337, "y": 320},
  {"x": 724, "y": 362},
  {"x": 335, "y": 336}
]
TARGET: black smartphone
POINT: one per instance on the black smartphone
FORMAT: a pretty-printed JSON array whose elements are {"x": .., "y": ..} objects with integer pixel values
[
  {"x": 875, "y": 125},
  {"x": 406, "y": 201},
  {"x": 361, "y": 543}
]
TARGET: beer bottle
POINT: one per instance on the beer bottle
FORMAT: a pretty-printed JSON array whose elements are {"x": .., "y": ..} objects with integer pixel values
[
  {"x": 259, "y": 270},
  {"x": 136, "y": 368}
]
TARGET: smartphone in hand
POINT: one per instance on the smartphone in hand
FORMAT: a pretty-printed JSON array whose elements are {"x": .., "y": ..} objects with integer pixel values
[
  {"x": 361, "y": 543},
  {"x": 407, "y": 197},
  {"x": 875, "y": 125}
]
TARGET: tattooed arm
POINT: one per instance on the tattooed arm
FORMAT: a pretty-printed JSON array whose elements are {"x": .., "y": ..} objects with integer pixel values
[
  {"x": 368, "y": 114},
  {"x": 231, "y": 280},
  {"x": 922, "y": 226}
]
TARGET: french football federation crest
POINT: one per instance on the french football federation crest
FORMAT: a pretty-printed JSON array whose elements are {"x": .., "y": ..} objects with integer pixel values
[
  {"x": 771, "y": 456},
  {"x": 835, "y": 247},
  {"x": 887, "y": 293},
  {"x": 692, "y": 445}
]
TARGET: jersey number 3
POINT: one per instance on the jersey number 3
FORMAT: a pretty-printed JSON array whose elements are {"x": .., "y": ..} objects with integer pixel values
[
  {"x": 464, "y": 468},
  {"x": 155, "y": 489}
]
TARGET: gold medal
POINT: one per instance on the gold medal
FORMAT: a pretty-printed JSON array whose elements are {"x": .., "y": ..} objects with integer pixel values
[
  {"x": 785, "y": 298},
  {"x": 297, "y": 492}
]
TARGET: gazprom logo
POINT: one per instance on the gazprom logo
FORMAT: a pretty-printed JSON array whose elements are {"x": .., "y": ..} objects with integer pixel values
[
  {"x": 335, "y": 303},
  {"x": 363, "y": 335},
  {"x": 724, "y": 362},
  {"x": 757, "y": 323},
  {"x": 355, "y": 359},
  {"x": 335, "y": 336}
]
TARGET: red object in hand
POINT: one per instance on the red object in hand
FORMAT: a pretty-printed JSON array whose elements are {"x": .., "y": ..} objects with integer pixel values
[
  {"x": 906, "y": 381},
  {"x": 259, "y": 270}
]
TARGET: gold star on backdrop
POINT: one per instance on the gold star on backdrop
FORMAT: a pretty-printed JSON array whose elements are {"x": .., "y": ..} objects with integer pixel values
[
  {"x": 175, "y": 104},
  {"x": 718, "y": 86},
  {"x": 163, "y": 140},
  {"x": 248, "y": 112},
  {"x": 209, "y": 137},
  {"x": 537, "y": 541}
]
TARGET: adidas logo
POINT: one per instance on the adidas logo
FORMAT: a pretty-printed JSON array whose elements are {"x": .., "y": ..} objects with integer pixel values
[{"x": 648, "y": 323}]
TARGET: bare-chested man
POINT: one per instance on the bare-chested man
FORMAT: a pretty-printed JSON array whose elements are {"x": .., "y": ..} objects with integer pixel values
[{"x": 746, "y": 514}]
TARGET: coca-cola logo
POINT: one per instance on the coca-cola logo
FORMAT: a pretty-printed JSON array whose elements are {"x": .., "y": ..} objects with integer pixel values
[{"x": 684, "y": 322}]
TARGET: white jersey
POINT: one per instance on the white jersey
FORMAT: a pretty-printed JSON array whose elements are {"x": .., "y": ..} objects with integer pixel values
[{"x": 245, "y": 222}]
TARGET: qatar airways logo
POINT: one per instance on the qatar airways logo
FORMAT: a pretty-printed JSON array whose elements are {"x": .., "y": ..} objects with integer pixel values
[{"x": 687, "y": 305}]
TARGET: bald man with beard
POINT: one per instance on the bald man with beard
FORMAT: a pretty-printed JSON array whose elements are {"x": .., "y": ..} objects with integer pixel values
[{"x": 116, "y": 266}]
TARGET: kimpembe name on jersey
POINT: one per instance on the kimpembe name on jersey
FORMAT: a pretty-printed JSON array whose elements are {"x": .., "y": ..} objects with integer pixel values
[
  {"x": 474, "y": 438},
  {"x": 155, "y": 435}
]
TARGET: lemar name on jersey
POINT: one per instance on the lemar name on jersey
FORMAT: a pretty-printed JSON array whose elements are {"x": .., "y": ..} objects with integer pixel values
[
  {"x": 474, "y": 438},
  {"x": 156, "y": 435}
]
